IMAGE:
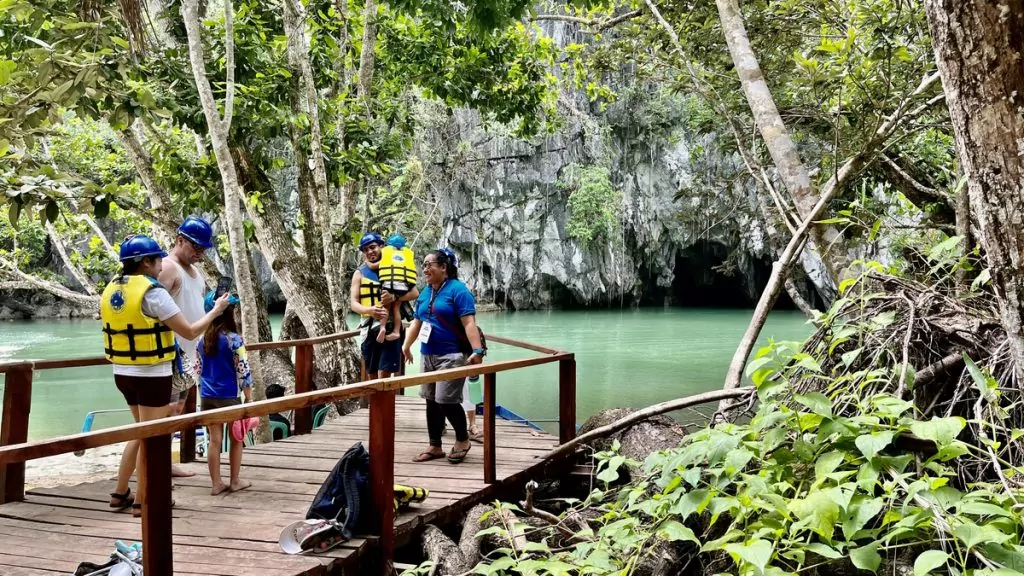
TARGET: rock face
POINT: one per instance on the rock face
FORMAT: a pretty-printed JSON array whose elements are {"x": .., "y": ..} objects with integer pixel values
[{"x": 508, "y": 219}]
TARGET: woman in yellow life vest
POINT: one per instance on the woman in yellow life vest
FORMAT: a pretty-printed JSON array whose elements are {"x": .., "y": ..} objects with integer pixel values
[
  {"x": 397, "y": 273},
  {"x": 139, "y": 323}
]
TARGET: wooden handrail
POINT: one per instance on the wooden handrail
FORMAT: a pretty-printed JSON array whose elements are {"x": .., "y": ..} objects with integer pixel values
[
  {"x": 62, "y": 445},
  {"x": 102, "y": 360},
  {"x": 155, "y": 435}
]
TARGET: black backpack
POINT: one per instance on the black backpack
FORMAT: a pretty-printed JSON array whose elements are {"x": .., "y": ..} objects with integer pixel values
[{"x": 345, "y": 491}]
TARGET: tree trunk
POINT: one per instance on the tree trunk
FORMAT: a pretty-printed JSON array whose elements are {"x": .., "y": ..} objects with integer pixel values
[
  {"x": 99, "y": 233},
  {"x": 218, "y": 130},
  {"x": 165, "y": 228},
  {"x": 298, "y": 58},
  {"x": 75, "y": 272},
  {"x": 776, "y": 138},
  {"x": 978, "y": 45},
  {"x": 368, "y": 56}
]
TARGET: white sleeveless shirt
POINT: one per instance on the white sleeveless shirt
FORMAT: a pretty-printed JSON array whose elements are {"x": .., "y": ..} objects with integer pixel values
[{"x": 191, "y": 291}]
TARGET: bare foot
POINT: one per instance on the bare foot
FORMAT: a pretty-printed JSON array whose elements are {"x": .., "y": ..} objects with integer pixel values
[
  {"x": 179, "y": 472},
  {"x": 218, "y": 489},
  {"x": 380, "y": 335},
  {"x": 240, "y": 485},
  {"x": 393, "y": 336}
]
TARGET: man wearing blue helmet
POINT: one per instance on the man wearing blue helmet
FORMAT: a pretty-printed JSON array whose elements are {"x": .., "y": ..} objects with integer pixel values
[
  {"x": 369, "y": 300},
  {"x": 187, "y": 285}
]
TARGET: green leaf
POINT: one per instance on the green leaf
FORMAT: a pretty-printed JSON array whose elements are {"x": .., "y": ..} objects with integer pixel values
[
  {"x": 611, "y": 471},
  {"x": 676, "y": 532},
  {"x": 756, "y": 553},
  {"x": 823, "y": 550},
  {"x": 13, "y": 212},
  {"x": 818, "y": 512},
  {"x": 983, "y": 509},
  {"x": 872, "y": 444},
  {"x": 866, "y": 557},
  {"x": 942, "y": 431},
  {"x": 52, "y": 211},
  {"x": 816, "y": 402},
  {"x": 971, "y": 534},
  {"x": 862, "y": 509},
  {"x": 827, "y": 464},
  {"x": 690, "y": 503},
  {"x": 928, "y": 561},
  {"x": 7, "y": 67}
]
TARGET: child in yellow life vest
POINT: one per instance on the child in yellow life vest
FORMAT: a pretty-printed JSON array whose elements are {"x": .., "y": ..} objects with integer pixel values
[{"x": 397, "y": 272}]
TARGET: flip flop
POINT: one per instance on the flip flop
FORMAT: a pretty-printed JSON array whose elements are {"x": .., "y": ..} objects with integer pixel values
[
  {"x": 428, "y": 456},
  {"x": 457, "y": 456}
]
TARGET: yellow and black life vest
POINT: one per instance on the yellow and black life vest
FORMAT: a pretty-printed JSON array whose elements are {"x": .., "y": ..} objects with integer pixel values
[
  {"x": 131, "y": 337},
  {"x": 397, "y": 265},
  {"x": 369, "y": 288}
]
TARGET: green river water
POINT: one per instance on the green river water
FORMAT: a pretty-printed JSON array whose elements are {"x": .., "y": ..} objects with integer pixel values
[{"x": 623, "y": 358}]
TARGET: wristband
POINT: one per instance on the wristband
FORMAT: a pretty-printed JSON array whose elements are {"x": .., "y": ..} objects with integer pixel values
[{"x": 480, "y": 352}]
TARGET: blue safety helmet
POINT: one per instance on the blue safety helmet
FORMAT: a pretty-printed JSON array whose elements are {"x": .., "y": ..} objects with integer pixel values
[
  {"x": 198, "y": 231},
  {"x": 396, "y": 240},
  {"x": 209, "y": 301},
  {"x": 139, "y": 246},
  {"x": 452, "y": 258},
  {"x": 368, "y": 239}
]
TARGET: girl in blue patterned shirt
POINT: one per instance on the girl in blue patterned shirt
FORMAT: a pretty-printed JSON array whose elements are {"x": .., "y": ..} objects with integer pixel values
[{"x": 222, "y": 369}]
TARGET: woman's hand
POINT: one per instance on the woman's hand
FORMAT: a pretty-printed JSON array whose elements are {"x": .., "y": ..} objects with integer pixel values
[
  {"x": 380, "y": 313},
  {"x": 407, "y": 354},
  {"x": 474, "y": 359}
]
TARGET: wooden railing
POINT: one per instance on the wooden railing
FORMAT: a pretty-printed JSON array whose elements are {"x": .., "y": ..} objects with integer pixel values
[{"x": 156, "y": 435}]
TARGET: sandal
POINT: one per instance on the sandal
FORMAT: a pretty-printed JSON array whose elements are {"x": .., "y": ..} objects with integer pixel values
[
  {"x": 122, "y": 501},
  {"x": 428, "y": 456},
  {"x": 456, "y": 456},
  {"x": 476, "y": 435}
]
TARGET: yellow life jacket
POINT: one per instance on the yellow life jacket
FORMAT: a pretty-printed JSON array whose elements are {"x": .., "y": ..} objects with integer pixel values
[
  {"x": 131, "y": 337},
  {"x": 369, "y": 288},
  {"x": 397, "y": 265}
]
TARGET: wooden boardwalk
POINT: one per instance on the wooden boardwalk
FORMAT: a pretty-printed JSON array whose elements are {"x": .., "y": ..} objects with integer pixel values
[{"x": 54, "y": 529}]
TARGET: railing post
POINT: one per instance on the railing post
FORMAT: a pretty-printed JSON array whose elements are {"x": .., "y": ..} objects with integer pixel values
[
  {"x": 303, "y": 383},
  {"x": 157, "y": 550},
  {"x": 382, "y": 472},
  {"x": 566, "y": 399},
  {"x": 187, "y": 446},
  {"x": 490, "y": 453},
  {"x": 14, "y": 430}
]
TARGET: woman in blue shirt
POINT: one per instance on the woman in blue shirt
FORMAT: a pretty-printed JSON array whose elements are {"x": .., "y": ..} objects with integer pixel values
[{"x": 445, "y": 326}]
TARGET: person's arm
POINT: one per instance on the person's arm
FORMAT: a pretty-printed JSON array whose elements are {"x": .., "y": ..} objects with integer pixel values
[
  {"x": 188, "y": 331},
  {"x": 353, "y": 296},
  {"x": 465, "y": 305},
  {"x": 170, "y": 279},
  {"x": 410, "y": 336},
  {"x": 242, "y": 372},
  {"x": 410, "y": 295}
]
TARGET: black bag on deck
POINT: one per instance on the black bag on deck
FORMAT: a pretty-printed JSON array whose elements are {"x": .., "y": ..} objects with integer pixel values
[{"x": 345, "y": 491}]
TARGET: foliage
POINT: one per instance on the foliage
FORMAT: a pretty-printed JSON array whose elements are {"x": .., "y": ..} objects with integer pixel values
[
  {"x": 800, "y": 487},
  {"x": 595, "y": 204}
]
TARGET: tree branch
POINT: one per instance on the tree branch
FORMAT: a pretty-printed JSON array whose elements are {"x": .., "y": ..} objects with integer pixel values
[
  {"x": 77, "y": 274},
  {"x": 86, "y": 302},
  {"x": 640, "y": 415},
  {"x": 597, "y": 25}
]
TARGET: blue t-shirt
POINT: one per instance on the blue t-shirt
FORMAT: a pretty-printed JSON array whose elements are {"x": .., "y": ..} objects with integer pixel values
[{"x": 453, "y": 301}]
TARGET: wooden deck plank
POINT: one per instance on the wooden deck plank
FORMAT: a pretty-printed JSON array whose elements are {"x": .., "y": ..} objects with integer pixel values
[{"x": 54, "y": 529}]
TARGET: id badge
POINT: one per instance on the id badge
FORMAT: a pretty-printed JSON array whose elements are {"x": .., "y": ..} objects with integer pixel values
[{"x": 425, "y": 330}]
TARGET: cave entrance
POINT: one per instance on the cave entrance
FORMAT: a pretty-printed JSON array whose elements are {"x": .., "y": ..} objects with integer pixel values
[{"x": 700, "y": 281}]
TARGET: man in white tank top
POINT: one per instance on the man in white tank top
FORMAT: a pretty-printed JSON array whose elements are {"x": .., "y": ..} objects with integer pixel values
[{"x": 187, "y": 287}]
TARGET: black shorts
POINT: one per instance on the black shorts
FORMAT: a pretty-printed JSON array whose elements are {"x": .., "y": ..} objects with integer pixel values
[
  {"x": 385, "y": 356},
  {"x": 151, "y": 392}
]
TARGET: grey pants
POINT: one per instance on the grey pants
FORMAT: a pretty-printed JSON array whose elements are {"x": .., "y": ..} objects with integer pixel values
[{"x": 447, "y": 391}]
